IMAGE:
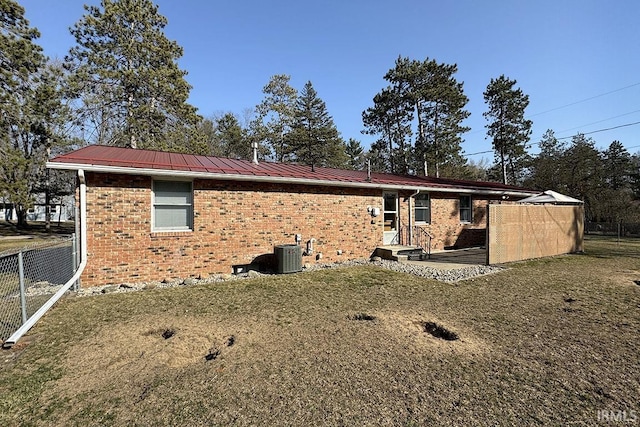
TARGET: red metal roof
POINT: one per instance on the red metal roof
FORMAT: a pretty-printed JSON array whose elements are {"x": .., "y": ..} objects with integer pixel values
[{"x": 146, "y": 162}]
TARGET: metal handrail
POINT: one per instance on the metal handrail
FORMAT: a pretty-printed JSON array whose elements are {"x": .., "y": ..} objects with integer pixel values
[
  {"x": 421, "y": 237},
  {"x": 415, "y": 236}
]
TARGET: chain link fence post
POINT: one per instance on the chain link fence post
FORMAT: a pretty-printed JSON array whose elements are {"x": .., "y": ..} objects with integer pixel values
[
  {"x": 29, "y": 277},
  {"x": 23, "y": 295}
]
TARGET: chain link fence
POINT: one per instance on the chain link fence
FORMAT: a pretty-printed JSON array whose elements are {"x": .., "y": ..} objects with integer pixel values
[
  {"x": 622, "y": 229},
  {"x": 28, "y": 279}
]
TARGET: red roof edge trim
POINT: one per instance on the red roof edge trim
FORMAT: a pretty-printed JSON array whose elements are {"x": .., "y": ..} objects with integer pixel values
[{"x": 150, "y": 165}]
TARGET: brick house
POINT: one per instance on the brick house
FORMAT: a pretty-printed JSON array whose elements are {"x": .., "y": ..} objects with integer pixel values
[{"x": 153, "y": 215}]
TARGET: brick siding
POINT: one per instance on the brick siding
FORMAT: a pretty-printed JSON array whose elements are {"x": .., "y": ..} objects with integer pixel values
[
  {"x": 446, "y": 228},
  {"x": 241, "y": 222},
  {"x": 234, "y": 223}
]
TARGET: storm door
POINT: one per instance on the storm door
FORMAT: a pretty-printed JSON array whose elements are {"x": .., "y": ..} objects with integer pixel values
[{"x": 390, "y": 215}]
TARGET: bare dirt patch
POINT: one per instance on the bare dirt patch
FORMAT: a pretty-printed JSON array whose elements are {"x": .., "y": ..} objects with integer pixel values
[
  {"x": 438, "y": 331},
  {"x": 410, "y": 328},
  {"x": 361, "y": 317},
  {"x": 138, "y": 350},
  {"x": 11, "y": 354},
  {"x": 626, "y": 276}
]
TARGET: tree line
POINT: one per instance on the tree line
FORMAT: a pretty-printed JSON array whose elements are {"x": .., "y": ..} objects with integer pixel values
[
  {"x": 120, "y": 84},
  {"x": 608, "y": 181}
]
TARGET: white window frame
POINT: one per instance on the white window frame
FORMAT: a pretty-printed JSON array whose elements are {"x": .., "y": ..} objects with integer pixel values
[
  {"x": 422, "y": 208},
  {"x": 188, "y": 206},
  {"x": 469, "y": 208}
]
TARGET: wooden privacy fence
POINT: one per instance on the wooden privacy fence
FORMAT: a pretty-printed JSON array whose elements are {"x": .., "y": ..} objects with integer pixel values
[{"x": 519, "y": 232}]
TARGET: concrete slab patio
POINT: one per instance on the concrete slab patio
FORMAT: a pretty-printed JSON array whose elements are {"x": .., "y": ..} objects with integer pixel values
[{"x": 454, "y": 259}]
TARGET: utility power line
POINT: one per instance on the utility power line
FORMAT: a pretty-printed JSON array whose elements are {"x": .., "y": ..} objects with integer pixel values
[
  {"x": 575, "y": 103},
  {"x": 583, "y": 100},
  {"x": 491, "y": 151},
  {"x": 479, "y": 152},
  {"x": 603, "y": 130},
  {"x": 599, "y": 121},
  {"x": 571, "y": 136}
]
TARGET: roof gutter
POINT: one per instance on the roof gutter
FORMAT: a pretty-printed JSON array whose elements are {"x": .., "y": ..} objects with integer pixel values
[
  {"x": 83, "y": 263},
  {"x": 274, "y": 179}
]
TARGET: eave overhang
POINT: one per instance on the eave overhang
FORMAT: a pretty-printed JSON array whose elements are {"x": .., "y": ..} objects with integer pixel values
[{"x": 186, "y": 174}]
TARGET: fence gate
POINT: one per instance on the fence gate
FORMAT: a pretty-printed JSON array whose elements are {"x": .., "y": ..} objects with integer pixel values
[
  {"x": 519, "y": 232},
  {"x": 29, "y": 278}
]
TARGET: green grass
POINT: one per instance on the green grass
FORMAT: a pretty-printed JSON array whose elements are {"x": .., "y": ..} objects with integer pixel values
[
  {"x": 547, "y": 342},
  {"x": 35, "y": 234}
]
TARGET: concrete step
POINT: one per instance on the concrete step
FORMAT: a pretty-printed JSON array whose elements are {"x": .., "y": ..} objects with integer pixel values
[
  {"x": 399, "y": 253},
  {"x": 418, "y": 257}
]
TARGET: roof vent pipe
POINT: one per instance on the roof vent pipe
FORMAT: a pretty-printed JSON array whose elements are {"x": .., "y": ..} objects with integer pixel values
[
  {"x": 369, "y": 170},
  {"x": 254, "y": 147}
]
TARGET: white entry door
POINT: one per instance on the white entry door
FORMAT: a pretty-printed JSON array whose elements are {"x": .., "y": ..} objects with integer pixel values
[{"x": 390, "y": 215}]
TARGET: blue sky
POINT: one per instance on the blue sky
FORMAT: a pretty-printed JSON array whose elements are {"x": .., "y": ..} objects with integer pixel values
[{"x": 576, "y": 59}]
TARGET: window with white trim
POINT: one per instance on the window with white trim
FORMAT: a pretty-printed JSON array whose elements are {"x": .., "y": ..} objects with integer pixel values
[
  {"x": 422, "y": 208},
  {"x": 465, "y": 209},
  {"x": 172, "y": 206}
]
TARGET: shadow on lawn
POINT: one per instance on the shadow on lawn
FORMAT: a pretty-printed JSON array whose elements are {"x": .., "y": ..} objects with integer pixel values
[
  {"x": 610, "y": 247},
  {"x": 8, "y": 229}
]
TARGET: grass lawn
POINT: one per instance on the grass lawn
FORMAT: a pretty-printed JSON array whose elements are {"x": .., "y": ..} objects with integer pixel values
[
  {"x": 546, "y": 342},
  {"x": 13, "y": 238}
]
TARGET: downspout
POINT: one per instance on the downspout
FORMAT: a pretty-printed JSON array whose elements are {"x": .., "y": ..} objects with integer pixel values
[
  {"x": 410, "y": 224},
  {"x": 83, "y": 263}
]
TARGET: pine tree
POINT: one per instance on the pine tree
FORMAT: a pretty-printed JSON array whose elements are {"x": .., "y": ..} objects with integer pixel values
[
  {"x": 508, "y": 128},
  {"x": 275, "y": 117},
  {"x": 406, "y": 82},
  {"x": 634, "y": 177},
  {"x": 585, "y": 174},
  {"x": 425, "y": 93},
  {"x": 616, "y": 203},
  {"x": 32, "y": 113},
  {"x": 314, "y": 137},
  {"x": 438, "y": 101},
  {"x": 376, "y": 157},
  {"x": 618, "y": 166},
  {"x": 124, "y": 70},
  {"x": 548, "y": 168},
  {"x": 231, "y": 138},
  {"x": 390, "y": 119},
  {"x": 444, "y": 113},
  {"x": 20, "y": 56},
  {"x": 355, "y": 153}
]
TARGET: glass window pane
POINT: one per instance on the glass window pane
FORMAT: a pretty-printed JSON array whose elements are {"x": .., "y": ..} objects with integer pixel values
[
  {"x": 172, "y": 193},
  {"x": 465, "y": 208},
  {"x": 422, "y": 200},
  {"x": 389, "y": 221},
  {"x": 422, "y": 215},
  {"x": 422, "y": 208},
  {"x": 390, "y": 202},
  {"x": 172, "y": 205},
  {"x": 177, "y": 217}
]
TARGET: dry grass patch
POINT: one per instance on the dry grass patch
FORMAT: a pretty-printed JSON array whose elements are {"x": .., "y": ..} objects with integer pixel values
[
  {"x": 548, "y": 342},
  {"x": 413, "y": 330}
]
